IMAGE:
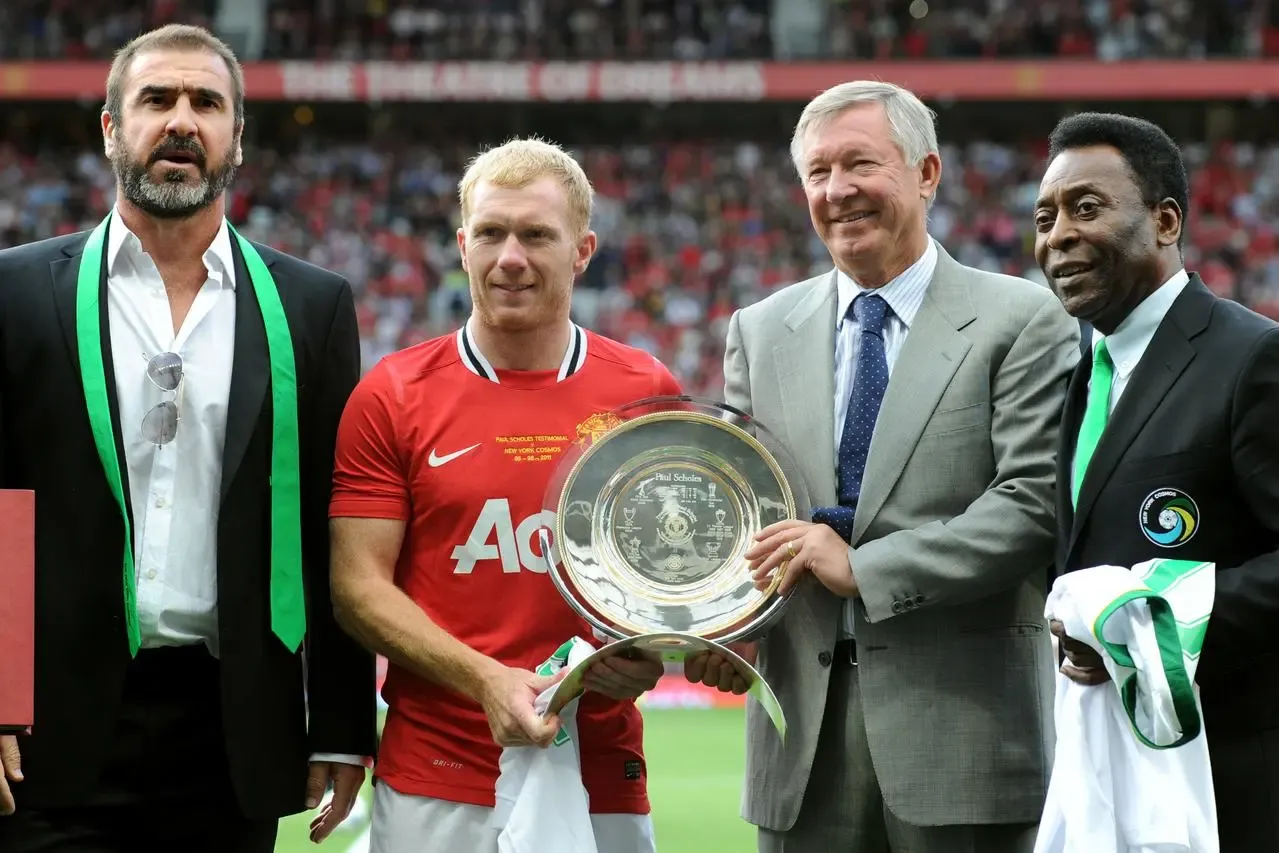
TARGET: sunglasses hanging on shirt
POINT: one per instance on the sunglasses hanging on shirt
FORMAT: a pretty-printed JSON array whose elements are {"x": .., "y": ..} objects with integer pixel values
[
  {"x": 160, "y": 423},
  {"x": 288, "y": 606}
]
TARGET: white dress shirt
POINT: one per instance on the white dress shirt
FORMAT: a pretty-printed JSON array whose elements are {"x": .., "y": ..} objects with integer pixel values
[
  {"x": 175, "y": 489},
  {"x": 904, "y": 295},
  {"x": 1128, "y": 343}
]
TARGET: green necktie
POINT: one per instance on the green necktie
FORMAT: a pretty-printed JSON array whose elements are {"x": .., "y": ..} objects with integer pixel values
[
  {"x": 288, "y": 604},
  {"x": 1096, "y": 414}
]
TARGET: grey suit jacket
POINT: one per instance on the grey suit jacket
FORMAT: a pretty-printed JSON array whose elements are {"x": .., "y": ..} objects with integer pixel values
[{"x": 952, "y": 546}]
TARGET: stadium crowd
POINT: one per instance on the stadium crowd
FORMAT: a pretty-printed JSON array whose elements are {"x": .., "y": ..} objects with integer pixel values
[
  {"x": 687, "y": 232},
  {"x": 669, "y": 29}
]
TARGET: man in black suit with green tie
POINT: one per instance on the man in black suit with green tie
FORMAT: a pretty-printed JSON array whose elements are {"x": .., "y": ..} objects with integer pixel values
[
  {"x": 171, "y": 392},
  {"x": 1170, "y": 436}
]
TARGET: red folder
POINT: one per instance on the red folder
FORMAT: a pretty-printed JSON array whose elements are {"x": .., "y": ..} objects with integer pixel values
[{"x": 17, "y": 610}]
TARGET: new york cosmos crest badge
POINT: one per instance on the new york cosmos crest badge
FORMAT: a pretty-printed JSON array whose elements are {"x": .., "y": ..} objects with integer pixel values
[{"x": 1169, "y": 517}]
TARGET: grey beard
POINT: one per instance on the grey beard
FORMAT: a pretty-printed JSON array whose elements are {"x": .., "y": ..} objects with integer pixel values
[{"x": 175, "y": 196}]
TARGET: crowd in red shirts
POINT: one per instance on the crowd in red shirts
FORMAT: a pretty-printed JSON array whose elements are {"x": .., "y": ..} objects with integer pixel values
[
  {"x": 670, "y": 29},
  {"x": 687, "y": 232}
]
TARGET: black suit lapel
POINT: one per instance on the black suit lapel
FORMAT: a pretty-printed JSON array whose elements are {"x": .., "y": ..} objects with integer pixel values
[
  {"x": 1167, "y": 356},
  {"x": 250, "y": 373},
  {"x": 65, "y": 274},
  {"x": 1085, "y": 340},
  {"x": 1071, "y": 417}
]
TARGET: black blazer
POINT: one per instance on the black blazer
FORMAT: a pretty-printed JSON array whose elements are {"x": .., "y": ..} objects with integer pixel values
[
  {"x": 81, "y": 645},
  {"x": 1198, "y": 422}
]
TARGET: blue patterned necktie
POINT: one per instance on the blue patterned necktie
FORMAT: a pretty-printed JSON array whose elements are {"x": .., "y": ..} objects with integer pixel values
[{"x": 870, "y": 381}]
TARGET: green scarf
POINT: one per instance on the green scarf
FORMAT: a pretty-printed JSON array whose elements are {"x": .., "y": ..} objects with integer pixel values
[{"x": 288, "y": 605}]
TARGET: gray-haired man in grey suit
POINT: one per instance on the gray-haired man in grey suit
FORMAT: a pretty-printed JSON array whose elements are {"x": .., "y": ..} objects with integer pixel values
[{"x": 922, "y": 400}]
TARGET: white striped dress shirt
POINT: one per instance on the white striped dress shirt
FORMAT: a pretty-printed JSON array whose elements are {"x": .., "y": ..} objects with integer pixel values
[{"x": 904, "y": 295}]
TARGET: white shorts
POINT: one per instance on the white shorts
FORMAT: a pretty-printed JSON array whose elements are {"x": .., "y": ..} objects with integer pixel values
[{"x": 403, "y": 823}]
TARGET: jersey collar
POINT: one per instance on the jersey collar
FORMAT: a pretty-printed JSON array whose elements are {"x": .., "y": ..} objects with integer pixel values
[{"x": 574, "y": 354}]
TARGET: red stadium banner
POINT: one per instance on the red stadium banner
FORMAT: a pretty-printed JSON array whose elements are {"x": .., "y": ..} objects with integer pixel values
[{"x": 424, "y": 82}]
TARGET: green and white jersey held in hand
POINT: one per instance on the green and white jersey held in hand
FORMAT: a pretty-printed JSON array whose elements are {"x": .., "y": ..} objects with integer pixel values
[{"x": 1131, "y": 770}]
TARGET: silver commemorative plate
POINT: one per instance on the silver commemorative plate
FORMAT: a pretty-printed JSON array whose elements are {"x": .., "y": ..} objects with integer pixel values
[{"x": 653, "y": 516}]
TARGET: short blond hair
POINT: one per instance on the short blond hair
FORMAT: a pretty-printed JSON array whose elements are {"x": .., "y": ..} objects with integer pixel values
[{"x": 521, "y": 161}]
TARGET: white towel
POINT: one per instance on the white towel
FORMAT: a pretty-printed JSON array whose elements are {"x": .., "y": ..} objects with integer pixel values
[
  {"x": 1131, "y": 771},
  {"x": 542, "y": 804}
]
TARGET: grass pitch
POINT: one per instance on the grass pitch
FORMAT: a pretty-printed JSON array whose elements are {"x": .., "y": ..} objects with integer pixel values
[{"x": 695, "y": 766}]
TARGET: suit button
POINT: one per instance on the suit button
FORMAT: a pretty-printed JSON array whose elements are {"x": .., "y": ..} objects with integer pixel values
[
  {"x": 919, "y": 599},
  {"x": 823, "y": 658},
  {"x": 898, "y": 607}
]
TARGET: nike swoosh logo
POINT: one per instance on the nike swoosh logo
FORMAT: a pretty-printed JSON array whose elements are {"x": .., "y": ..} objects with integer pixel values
[{"x": 437, "y": 461}]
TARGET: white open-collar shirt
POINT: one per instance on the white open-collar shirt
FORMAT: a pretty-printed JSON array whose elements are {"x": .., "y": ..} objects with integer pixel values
[{"x": 175, "y": 489}]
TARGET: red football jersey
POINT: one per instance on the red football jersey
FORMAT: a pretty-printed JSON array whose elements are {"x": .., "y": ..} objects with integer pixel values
[{"x": 435, "y": 436}]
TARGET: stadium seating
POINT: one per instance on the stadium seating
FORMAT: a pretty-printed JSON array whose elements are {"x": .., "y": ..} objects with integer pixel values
[
  {"x": 671, "y": 29},
  {"x": 687, "y": 232}
]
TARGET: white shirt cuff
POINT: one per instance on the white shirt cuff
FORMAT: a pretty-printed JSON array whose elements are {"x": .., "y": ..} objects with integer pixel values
[{"x": 342, "y": 758}]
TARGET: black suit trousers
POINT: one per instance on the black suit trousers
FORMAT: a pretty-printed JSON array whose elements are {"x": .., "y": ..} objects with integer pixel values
[
  {"x": 1245, "y": 788},
  {"x": 165, "y": 784}
]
